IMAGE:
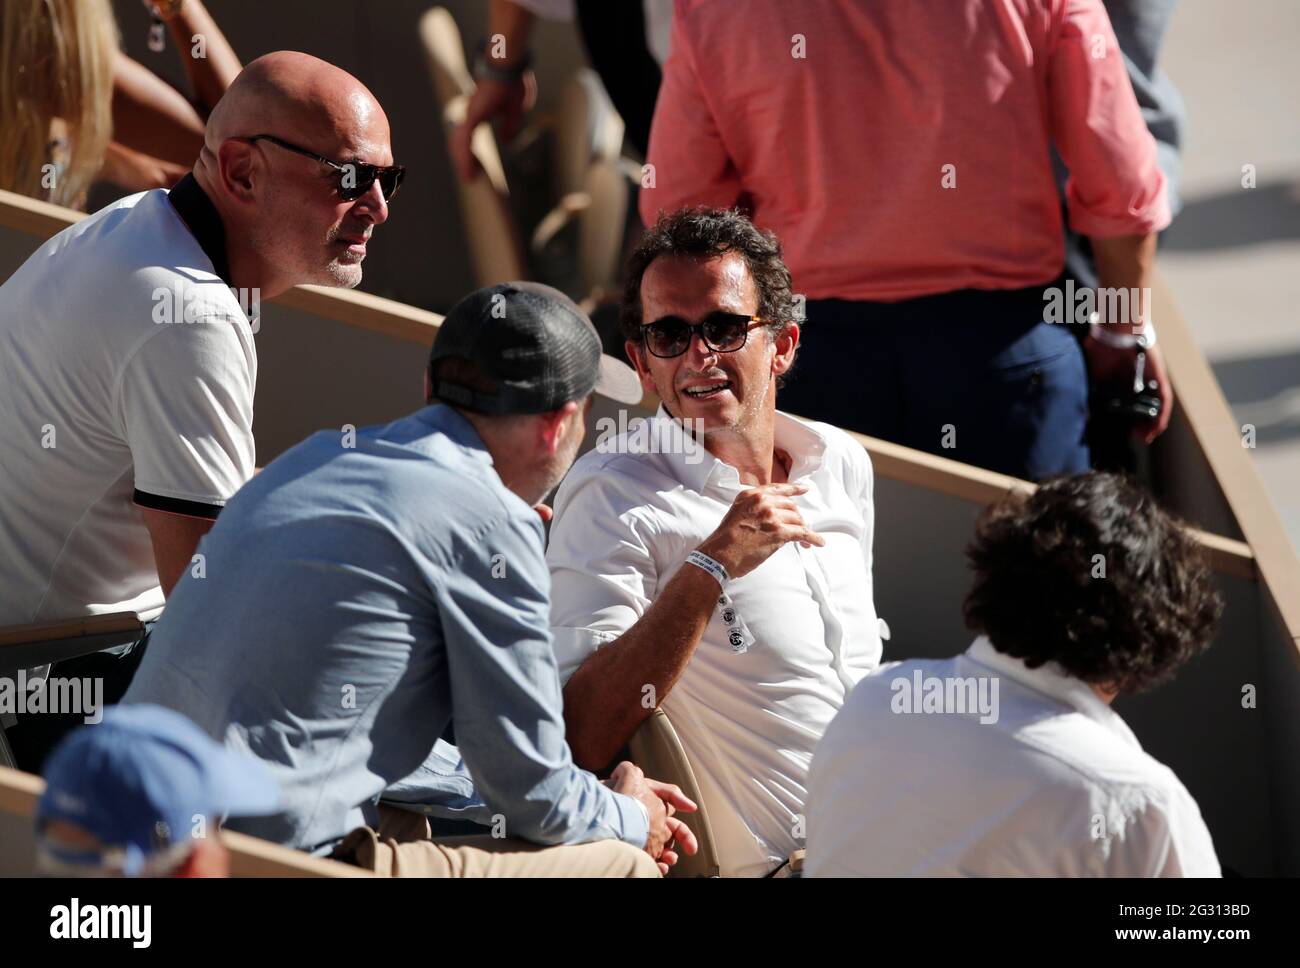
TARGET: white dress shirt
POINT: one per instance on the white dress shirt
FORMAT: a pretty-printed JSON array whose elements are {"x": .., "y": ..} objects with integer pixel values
[
  {"x": 625, "y": 522},
  {"x": 1052, "y": 783}
]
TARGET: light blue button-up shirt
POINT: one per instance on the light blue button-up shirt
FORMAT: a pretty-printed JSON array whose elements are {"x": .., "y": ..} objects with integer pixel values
[{"x": 356, "y": 598}]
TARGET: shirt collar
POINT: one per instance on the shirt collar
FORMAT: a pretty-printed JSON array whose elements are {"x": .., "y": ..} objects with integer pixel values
[
  {"x": 805, "y": 445},
  {"x": 447, "y": 421},
  {"x": 198, "y": 213},
  {"x": 1053, "y": 681}
]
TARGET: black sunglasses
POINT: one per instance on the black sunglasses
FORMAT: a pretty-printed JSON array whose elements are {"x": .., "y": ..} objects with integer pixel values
[
  {"x": 722, "y": 332},
  {"x": 354, "y": 177}
]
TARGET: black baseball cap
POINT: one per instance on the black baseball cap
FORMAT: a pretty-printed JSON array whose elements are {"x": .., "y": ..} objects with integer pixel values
[{"x": 535, "y": 344}]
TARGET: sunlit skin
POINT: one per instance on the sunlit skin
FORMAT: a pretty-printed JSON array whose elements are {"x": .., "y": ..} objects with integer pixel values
[
  {"x": 285, "y": 222},
  {"x": 738, "y": 421}
]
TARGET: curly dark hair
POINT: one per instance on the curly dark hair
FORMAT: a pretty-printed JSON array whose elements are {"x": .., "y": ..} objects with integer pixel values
[
  {"x": 1036, "y": 598},
  {"x": 707, "y": 233}
]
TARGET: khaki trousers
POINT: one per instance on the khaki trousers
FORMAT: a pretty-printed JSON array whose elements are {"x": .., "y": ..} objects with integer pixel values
[{"x": 402, "y": 847}]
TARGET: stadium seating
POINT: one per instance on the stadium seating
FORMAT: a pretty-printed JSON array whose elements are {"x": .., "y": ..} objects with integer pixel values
[
  {"x": 364, "y": 365},
  {"x": 656, "y": 748}
]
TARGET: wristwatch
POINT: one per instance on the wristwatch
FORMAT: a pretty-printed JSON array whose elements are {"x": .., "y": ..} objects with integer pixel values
[
  {"x": 1125, "y": 341},
  {"x": 487, "y": 69}
]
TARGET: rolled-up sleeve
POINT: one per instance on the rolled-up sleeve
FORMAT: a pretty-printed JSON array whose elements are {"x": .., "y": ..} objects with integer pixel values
[
  {"x": 1115, "y": 186},
  {"x": 602, "y": 572},
  {"x": 506, "y": 699},
  {"x": 689, "y": 162}
]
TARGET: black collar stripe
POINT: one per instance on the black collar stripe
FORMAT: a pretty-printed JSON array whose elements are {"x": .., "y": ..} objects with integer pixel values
[{"x": 200, "y": 215}]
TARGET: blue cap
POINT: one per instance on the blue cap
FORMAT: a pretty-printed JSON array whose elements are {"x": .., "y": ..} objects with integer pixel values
[{"x": 138, "y": 780}]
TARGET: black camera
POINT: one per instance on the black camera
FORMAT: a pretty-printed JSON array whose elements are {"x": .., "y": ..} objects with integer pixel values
[{"x": 1133, "y": 401}]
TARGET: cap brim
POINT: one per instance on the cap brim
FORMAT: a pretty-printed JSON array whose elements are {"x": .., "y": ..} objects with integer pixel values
[{"x": 618, "y": 381}]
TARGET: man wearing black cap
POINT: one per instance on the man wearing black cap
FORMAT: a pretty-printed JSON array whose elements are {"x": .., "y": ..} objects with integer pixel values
[{"x": 371, "y": 589}]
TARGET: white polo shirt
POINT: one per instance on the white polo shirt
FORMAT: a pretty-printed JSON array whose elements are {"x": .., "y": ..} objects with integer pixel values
[
  {"x": 127, "y": 370},
  {"x": 1056, "y": 785},
  {"x": 749, "y": 720}
]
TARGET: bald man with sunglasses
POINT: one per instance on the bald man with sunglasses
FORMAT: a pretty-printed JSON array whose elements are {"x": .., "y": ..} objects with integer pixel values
[
  {"x": 126, "y": 421},
  {"x": 720, "y": 565}
]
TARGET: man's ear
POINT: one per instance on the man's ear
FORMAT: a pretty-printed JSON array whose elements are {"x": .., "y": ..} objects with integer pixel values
[
  {"x": 553, "y": 426},
  {"x": 786, "y": 343},
  {"x": 239, "y": 170},
  {"x": 636, "y": 353},
  {"x": 428, "y": 388}
]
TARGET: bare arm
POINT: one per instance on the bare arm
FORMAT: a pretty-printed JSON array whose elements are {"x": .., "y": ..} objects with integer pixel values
[
  {"x": 507, "y": 100},
  {"x": 1125, "y": 262},
  {"x": 138, "y": 172},
  {"x": 211, "y": 74},
  {"x": 603, "y": 699},
  {"x": 151, "y": 116},
  {"x": 175, "y": 538}
]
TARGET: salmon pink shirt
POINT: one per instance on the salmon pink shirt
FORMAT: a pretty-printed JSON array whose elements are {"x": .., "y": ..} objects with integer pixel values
[{"x": 900, "y": 148}]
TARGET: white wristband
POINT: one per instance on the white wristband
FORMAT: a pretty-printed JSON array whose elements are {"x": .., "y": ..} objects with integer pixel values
[
  {"x": 1107, "y": 336},
  {"x": 700, "y": 560},
  {"x": 738, "y": 635}
]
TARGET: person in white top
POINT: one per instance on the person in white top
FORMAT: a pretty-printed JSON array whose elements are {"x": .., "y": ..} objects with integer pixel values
[
  {"x": 128, "y": 361},
  {"x": 725, "y": 573},
  {"x": 1007, "y": 760}
]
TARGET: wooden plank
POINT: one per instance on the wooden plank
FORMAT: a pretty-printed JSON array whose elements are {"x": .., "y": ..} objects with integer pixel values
[
  {"x": 86, "y": 625},
  {"x": 33, "y": 217},
  {"x": 19, "y": 792},
  {"x": 251, "y": 857},
  {"x": 979, "y": 486},
  {"x": 373, "y": 313},
  {"x": 1216, "y": 432},
  {"x": 941, "y": 474}
]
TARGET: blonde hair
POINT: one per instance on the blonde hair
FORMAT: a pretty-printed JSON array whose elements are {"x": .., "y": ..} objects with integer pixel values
[{"x": 56, "y": 69}]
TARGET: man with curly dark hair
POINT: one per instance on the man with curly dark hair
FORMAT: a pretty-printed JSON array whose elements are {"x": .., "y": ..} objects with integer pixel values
[
  {"x": 716, "y": 561},
  {"x": 1008, "y": 760}
]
